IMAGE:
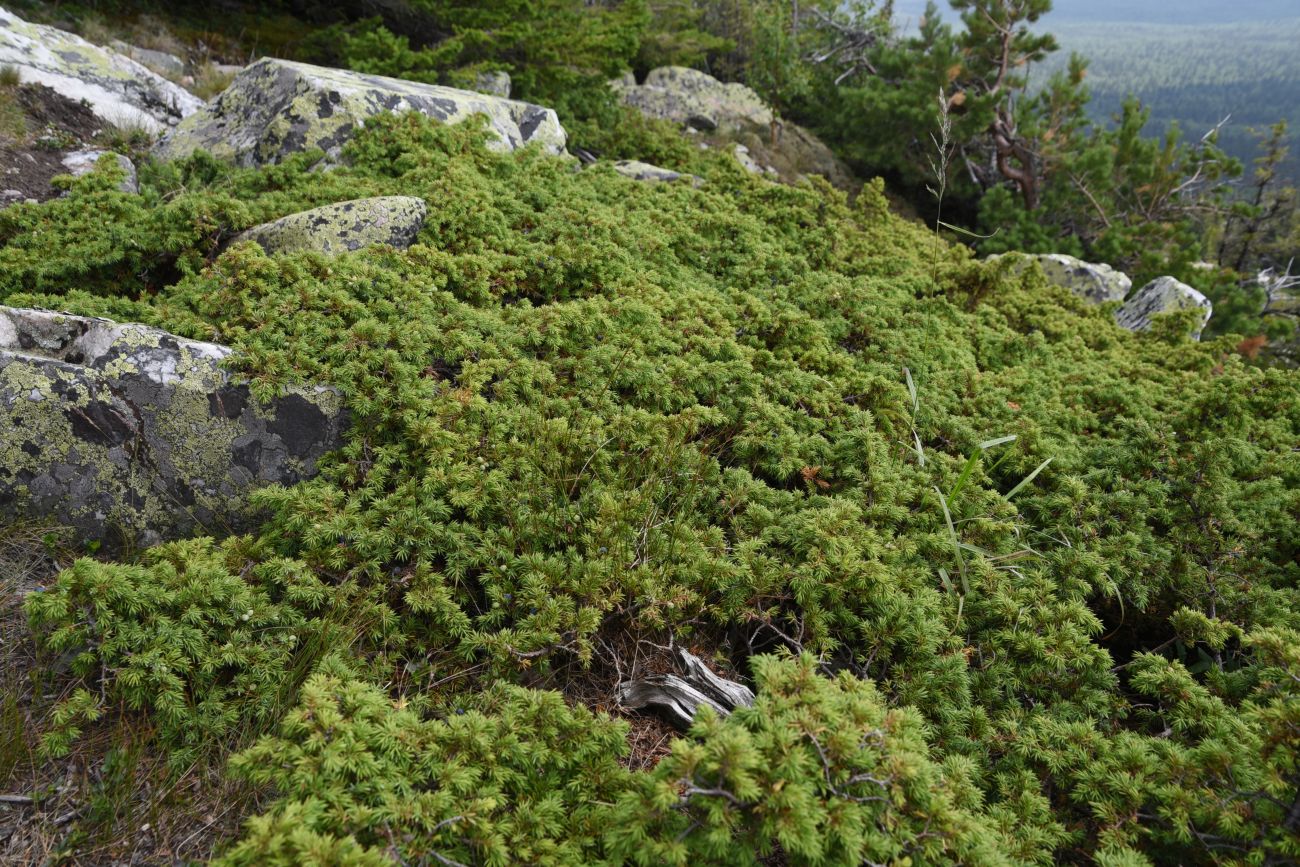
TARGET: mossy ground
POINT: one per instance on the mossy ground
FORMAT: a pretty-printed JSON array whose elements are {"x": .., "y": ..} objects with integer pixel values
[{"x": 595, "y": 416}]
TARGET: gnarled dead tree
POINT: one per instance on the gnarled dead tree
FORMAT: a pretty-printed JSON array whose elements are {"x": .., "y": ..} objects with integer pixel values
[{"x": 679, "y": 697}]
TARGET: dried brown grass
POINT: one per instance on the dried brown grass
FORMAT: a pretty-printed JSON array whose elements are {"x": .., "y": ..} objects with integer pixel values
[{"x": 114, "y": 799}]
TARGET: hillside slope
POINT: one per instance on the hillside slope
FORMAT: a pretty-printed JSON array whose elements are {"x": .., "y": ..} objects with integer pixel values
[{"x": 593, "y": 417}]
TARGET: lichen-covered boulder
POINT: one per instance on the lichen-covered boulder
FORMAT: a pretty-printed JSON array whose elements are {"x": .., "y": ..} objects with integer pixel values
[
  {"x": 80, "y": 163},
  {"x": 132, "y": 435},
  {"x": 1096, "y": 283},
  {"x": 275, "y": 108},
  {"x": 160, "y": 62},
  {"x": 338, "y": 228},
  {"x": 639, "y": 171},
  {"x": 696, "y": 99},
  {"x": 495, "y": 83},
  {"x": 1163, "y": 295},
  {"x": 727, "y": 114},
  {"x": 117, "y": 88},
  {"x": 793, "y": 152}
]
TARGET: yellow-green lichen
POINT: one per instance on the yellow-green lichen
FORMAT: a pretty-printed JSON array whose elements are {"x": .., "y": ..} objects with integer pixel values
[
  {"x": 276, "y": 107},
  {"x": 343, "y": 227}
]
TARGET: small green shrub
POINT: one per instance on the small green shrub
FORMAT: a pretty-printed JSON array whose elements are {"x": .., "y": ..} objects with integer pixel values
[
  {"x": 511, "y": 776},
  {"x": 819, "y": 770},
  {"x": 205, "y": 652},
  {"x": 586, "y": 408}
]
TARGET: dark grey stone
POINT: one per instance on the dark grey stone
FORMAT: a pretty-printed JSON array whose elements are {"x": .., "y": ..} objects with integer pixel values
[{"x": 131, "y": 435}]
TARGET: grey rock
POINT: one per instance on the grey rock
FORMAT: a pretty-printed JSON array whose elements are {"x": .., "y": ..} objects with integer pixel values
[
  {"x": 132, "y": 435},
  {"x": 493, "y": 83},
  {"x": 748, "y": 163},
  {"x": 1093, "y": 282},
  {"x": 639, "y": 171},
  {"x": 159, "y": 61},
  {"x": 696, "y": 99},
  {"x": 725, "y": 114},
  {"x": 117, "y": 88},
  {"x": 1163, "y": 295},
  {"x": 342, "y": 227},
  {"x": 275, "y": 108},
  {"x": 80, "y": 163}
]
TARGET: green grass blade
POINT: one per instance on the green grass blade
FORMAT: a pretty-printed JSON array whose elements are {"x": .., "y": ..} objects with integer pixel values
[
  {"x": 952, "y": 537},
  {"x": 967, "y": 232},
  {"x": 973, "y": 459},
  {"x": 1026, "y": 480},
  {"x": 965, "y": 474},
  {"x": 988, "y": 444}
]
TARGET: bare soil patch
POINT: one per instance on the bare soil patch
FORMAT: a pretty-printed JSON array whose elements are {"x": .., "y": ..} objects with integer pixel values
[{"x": 48, "y": 125}]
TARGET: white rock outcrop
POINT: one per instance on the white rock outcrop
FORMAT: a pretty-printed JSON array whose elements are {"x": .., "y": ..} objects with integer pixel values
[
  {"x": 275, "y": 108},
  {"x": 1095, "y": 282},
  {"x": 1163, "y": 295},
  {"x": 117, "y": 88}
]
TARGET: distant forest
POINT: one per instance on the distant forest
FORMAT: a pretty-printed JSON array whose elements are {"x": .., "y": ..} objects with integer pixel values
[
  {"x": 1197, "y": 76},
  {"x": 1143, "y": 11}
]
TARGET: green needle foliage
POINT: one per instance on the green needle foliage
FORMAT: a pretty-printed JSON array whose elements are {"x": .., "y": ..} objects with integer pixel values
[
  {"x": 519, "y": 777},
  {"x": 820, "y": 769},
  {"x": 750, "y": 416},
  {"x": 202, "y": 650}
]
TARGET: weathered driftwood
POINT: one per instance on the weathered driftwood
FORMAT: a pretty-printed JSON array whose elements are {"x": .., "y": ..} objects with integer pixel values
[{"x": 680, "y": 697}]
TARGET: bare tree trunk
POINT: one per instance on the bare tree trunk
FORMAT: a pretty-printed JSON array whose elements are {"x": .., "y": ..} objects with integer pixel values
[{"x": 1009, "y": 147}]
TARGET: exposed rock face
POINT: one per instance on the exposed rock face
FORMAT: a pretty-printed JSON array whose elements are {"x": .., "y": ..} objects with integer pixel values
[
  {"x": 493, "y": 83},
  {"x": 639, "y": 171},
  {"x": 1095, "y": 283},
  {"x": 793, "y": 152},
  {"x": 696, "y": 99},
  {"x": 1163, "y": 295},
  {"x": 392, "y": 220},
  {"x": 80, "y": 163},
  {"x": 733, "y": 114},
  {"x": 159, "y": 61},
  {"x": 275, "y": 108},
  {"x": 132, "y": 435},
  {"x": 1099, "y": 284},
  {"x": 748, "y": 163},
  {"x": 118, "y": 89}
]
